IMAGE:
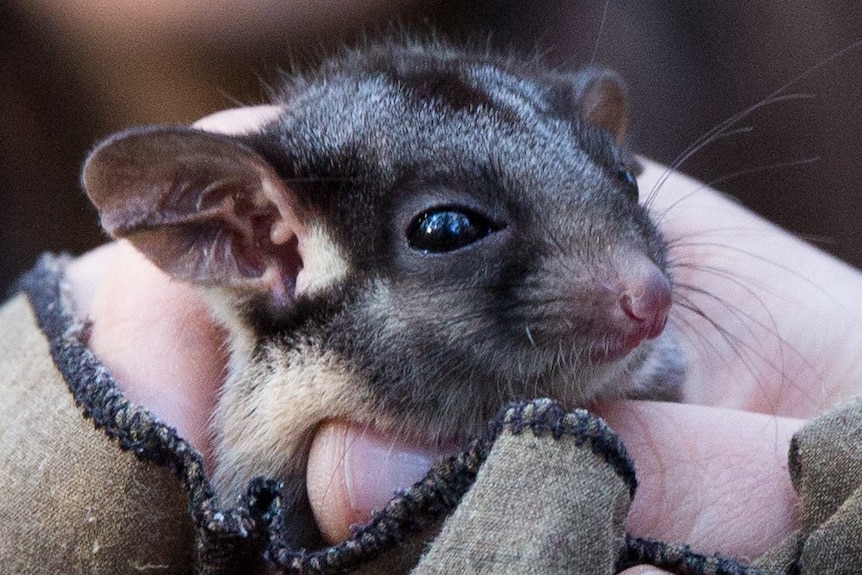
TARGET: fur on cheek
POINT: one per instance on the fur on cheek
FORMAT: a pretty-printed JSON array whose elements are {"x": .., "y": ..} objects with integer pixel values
[{"x": 268, "y": 412}]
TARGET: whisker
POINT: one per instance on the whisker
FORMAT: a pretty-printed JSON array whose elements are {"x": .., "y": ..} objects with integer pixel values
[
  {"x": 722, "y": 127},
  {"x": 760, "y": 258},
  {"x": 601, "y": 30},
  {"x": 728, "y": 177}
]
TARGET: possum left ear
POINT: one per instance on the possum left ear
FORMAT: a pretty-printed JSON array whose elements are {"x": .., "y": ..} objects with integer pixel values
[
  {"x": 598, "y": 97},
  {"x": 203, "y": 207}
]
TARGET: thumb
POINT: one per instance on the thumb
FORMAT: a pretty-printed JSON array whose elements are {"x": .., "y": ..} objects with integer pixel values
[{"x": 354, "y": 471}]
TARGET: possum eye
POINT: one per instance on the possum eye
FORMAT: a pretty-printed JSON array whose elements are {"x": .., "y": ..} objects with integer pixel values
[
  {"x": 630, "y": 183},
  {"x": 447, "y": 229}
]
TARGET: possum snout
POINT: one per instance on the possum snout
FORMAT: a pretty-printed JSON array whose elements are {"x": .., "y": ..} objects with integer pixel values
[{"x": 644, "y": 301}]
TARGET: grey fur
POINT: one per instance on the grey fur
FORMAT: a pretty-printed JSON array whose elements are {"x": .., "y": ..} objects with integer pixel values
[{"x": 428, "y": 345}]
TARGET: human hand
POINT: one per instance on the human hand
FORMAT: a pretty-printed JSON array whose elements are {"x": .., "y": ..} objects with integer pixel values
[{"x": 155, "y": 336}]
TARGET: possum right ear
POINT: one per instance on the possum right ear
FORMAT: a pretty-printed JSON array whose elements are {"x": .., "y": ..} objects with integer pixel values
[
  {"x": 597, "y": 96},
  {"x": 203, "y": 207}
]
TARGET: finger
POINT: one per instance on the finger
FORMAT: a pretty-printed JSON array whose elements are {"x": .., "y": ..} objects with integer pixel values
[
  {"x": 353, "y": 471},
  {"x": 155, "y": 337},
  {"x": 716, "y": 479}
]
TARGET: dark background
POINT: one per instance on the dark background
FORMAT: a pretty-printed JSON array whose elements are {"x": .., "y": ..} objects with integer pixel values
[{"x": 73, "y": 71}]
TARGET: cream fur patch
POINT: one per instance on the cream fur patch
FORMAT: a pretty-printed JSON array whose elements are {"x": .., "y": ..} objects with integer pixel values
[
  {"x": 323, "y": 264},
  {"x": 269, "y": 411}
]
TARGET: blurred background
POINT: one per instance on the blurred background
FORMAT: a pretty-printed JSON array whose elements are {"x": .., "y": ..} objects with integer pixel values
[{"x": 73, "y": 71}]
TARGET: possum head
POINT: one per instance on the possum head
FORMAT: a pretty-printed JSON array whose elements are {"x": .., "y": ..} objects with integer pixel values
[{"x": 420, "y": 237}]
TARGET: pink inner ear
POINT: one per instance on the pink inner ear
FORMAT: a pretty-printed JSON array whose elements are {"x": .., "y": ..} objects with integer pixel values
[
  {"x": 203, "y": 207},
  {"x": 281, "y": 270},
  {"x": 604, "y": 106},
  {"x": 284, "y": 235}
]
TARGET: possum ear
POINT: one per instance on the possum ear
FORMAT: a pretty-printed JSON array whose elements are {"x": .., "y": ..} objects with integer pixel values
[
  {"x": 203, "y": 207},
  {"x": 598, "y": 97}
]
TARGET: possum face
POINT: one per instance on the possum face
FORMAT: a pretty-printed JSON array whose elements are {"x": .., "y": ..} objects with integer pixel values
[
  {"x": 420, "y": 237},
  {"x": 486, "y": 231}
]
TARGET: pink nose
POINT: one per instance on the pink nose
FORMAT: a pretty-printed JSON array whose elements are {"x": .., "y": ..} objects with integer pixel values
[{"x": 645, "y": 301}]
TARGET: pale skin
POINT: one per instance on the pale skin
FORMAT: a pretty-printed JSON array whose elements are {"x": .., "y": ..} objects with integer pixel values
[{"x": 794, "y": 357}]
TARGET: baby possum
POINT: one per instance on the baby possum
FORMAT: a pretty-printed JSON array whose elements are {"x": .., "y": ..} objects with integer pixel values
[{"x": 421, "y": 236}]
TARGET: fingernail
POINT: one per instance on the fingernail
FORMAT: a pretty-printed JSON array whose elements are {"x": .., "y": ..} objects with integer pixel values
[{"x": 376, "y": 467}]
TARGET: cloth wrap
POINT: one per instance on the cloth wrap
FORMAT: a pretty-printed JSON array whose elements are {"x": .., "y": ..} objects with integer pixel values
[{"x": 94, "y": 484}]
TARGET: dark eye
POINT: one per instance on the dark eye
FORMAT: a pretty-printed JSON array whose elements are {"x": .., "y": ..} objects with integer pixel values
[
  {"x": 447, "y": 229},
  {"x": 630, "y": 183}
]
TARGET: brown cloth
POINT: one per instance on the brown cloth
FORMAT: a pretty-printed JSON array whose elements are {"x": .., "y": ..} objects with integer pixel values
[
  {"x": 71, "y": 501},
  {"x": 93, "y": 484}
]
